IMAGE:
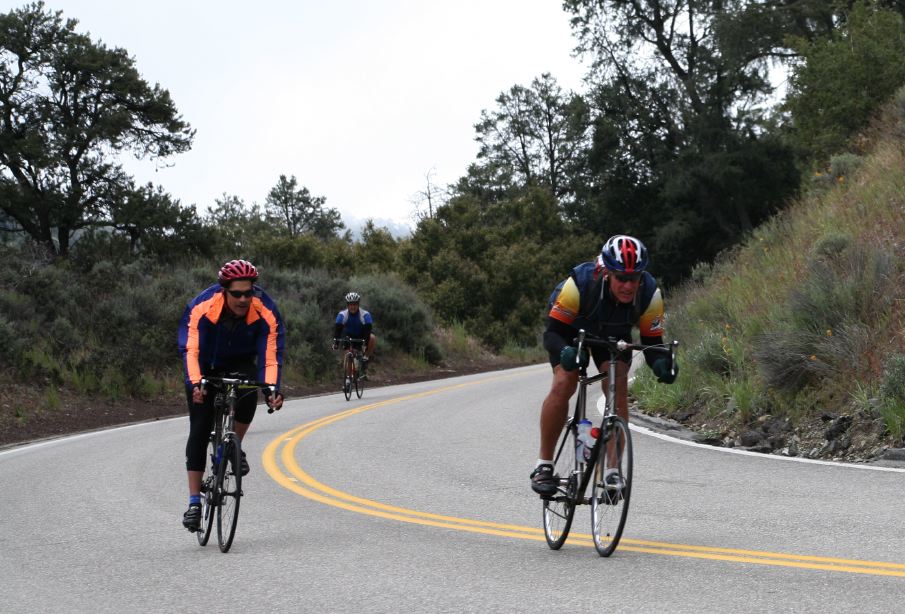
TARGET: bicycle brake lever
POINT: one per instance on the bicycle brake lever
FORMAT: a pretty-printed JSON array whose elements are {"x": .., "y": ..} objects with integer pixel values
[{"x": 672, "y": 357}]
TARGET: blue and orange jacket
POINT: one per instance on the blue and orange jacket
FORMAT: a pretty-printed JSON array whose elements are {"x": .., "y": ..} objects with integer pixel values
[{"x": 208, "y": 344}]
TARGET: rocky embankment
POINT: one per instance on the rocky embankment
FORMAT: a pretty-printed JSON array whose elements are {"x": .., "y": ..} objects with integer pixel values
[{"x": 855, "y": 438}]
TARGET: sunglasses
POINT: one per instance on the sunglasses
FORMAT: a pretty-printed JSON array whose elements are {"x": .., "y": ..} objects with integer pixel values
[
  {"x": 241, "y": 293},
  {"x": 626, "y": 277}
]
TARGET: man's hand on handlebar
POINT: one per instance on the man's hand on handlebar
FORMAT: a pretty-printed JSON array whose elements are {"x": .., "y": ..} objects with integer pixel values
[
  {"x": 568, "y": 358},
  {"x": 198, "y": 393},
  {"x": 274, "y": 403},
  {"x": 666, "y": 373}
]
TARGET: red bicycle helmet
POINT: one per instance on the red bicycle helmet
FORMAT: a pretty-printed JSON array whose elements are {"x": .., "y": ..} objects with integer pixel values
[
  {"x": 237, "y": 269},
  {"x": 624, "y": 254}
]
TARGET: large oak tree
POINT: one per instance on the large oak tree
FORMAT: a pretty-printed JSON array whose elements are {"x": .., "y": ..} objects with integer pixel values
[{"x": 69, "y": 107}]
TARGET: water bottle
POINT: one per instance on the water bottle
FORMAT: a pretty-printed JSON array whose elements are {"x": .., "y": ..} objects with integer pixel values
[
  {"x": 590, "y": 441},
  {"x": 583, "y": 441},
  {"x": 217, "y": 457}
]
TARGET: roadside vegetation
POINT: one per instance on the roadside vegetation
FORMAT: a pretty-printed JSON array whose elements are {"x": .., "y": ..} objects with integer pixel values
[
  {"x": 794, "y": 339},
  {"x": 774, "y": 226}
]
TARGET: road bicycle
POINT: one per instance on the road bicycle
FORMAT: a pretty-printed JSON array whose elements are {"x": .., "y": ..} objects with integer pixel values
[
  {"x": 603, "y": 459},
  {"x": 221, "y": 486},
  {"x": 352, "y": 375}
]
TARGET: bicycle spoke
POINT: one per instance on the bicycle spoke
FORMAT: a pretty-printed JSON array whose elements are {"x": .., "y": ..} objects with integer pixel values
[
  {"x": 229, "y": 492},
  {"x": 611, "y": 486},
  {"x": 208, "y": 502},
  {"x": 559, "y": 510}
]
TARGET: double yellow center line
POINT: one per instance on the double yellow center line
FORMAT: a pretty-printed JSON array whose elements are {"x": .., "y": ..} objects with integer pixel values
[{"x": 294, "y": 478}]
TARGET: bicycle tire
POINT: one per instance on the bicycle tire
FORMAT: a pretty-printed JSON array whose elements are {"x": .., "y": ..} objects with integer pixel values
[
  {"x": 347, "y": 377},
  {"x": 609, "y": 507},
  {"x": 208, "y": 502},
  {"x": 559, "y": 509},
  {"x": 229, "y": 491},
  {"x": 359, "y": 383}
]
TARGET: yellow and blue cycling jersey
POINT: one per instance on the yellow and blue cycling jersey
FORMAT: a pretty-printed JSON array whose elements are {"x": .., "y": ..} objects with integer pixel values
[
  {"x": 583, "y": 301},
  {"x": 211, "y": 340}
]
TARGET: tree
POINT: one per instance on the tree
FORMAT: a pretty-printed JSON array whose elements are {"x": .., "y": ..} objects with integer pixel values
[
  {"x": 844, "y": 77},
  {"x": 679, "y": 103},
  {"x": 150, "y": 218},
  {"x": 296, "y": 210},
  {"x": 430, "y": 197},
  {"x": 68, "y": 107},
  {"x": 534, "y": 134},
  {"x": 233, "y": 225},
  {"x": 377, "y": 249}
]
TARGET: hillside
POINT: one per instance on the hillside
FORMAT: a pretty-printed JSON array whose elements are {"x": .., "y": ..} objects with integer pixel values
[
  {"x": 793, "y": 342},
  {"x": 23, "y": 419}
]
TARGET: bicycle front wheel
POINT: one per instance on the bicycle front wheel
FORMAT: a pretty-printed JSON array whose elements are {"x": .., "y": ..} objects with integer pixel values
[
  {"x": 229, "y": 491},
  {"x": 359, "y": 383},
  {"x": 611, "y": 486},
  {"x": 208, "y": 502},
  {"x": 347, "y": 375},
  {"x": 559, "y": 508}
]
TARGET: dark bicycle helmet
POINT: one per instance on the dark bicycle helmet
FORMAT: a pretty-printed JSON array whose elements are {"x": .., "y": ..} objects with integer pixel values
[
  {"x": 235, "y": 270},
  {"x": 624, "y": 254},
  {"x": 353, "y": 297}
]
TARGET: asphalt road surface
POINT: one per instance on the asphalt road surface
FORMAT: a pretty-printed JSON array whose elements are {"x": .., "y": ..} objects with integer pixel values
[{"x": 416, "y": 499}]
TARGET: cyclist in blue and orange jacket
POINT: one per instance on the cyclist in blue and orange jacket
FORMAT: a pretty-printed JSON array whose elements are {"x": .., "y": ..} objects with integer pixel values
[
  {"x": 356, "y": 323},
  {"x": 231, "y": 327},
  {"x": 607, "y": 298}
]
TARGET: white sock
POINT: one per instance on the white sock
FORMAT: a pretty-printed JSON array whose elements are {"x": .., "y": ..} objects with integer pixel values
[{"x": 541, "y": 461}]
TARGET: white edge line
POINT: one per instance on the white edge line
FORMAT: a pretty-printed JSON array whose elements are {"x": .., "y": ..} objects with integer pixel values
[
  {"x": 797, "y": 459},
  {"x": 68, "y": 438},
  {"x": 640, "y": 429},
  {"x": 27, "y": 447}
]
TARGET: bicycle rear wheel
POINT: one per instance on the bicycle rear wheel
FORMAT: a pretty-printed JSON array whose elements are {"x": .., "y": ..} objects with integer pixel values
[
  {"x": 208, "y": 502},
  {"x": 559, "y": 509},
  {"x": 347, "y": 375},
  {"x": 229, "y": 491},
  {"x": 609, "y": 499}
]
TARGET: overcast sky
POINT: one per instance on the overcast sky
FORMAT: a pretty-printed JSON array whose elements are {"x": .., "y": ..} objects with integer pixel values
[{"x": 359, "y": 100}]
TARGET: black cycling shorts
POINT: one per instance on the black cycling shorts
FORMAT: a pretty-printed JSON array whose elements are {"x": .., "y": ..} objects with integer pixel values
[
  {"x": 201, "y": 417},
  {"x": 599, "y": 354}
]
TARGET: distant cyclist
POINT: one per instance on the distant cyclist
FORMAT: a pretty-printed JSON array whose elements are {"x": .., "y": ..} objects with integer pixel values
[
  {"x": 231, "y": 327},
  {"x": 356, "y": 323},
  {"x": 606, "y": 298}
]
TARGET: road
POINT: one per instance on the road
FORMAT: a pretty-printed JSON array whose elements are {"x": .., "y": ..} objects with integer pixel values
[{"x": 416, "y": 499}]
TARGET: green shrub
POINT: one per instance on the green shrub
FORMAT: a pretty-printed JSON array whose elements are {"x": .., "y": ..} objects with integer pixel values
[
  {"x": 10, "y": 345},
  {"x": 892, "y": 386},
  {"x": 845, "y": 165},
  {"x": 892, "y": 395},
  {"x": 398, "y": 311}
]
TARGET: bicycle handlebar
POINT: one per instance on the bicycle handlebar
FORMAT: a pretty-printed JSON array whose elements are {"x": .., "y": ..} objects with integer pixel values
[
  {"x": 616, "y": 346},
  {"x": 250, "y": 383}
]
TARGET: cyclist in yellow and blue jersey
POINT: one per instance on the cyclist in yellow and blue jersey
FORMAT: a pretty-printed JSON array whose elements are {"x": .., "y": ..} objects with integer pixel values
[
  {"x": 607, "y": 298},
  {"x": 231, "y": 327}
]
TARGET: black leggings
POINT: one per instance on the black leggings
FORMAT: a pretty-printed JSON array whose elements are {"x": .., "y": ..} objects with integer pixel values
[{"x": 201, "y": 423}]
